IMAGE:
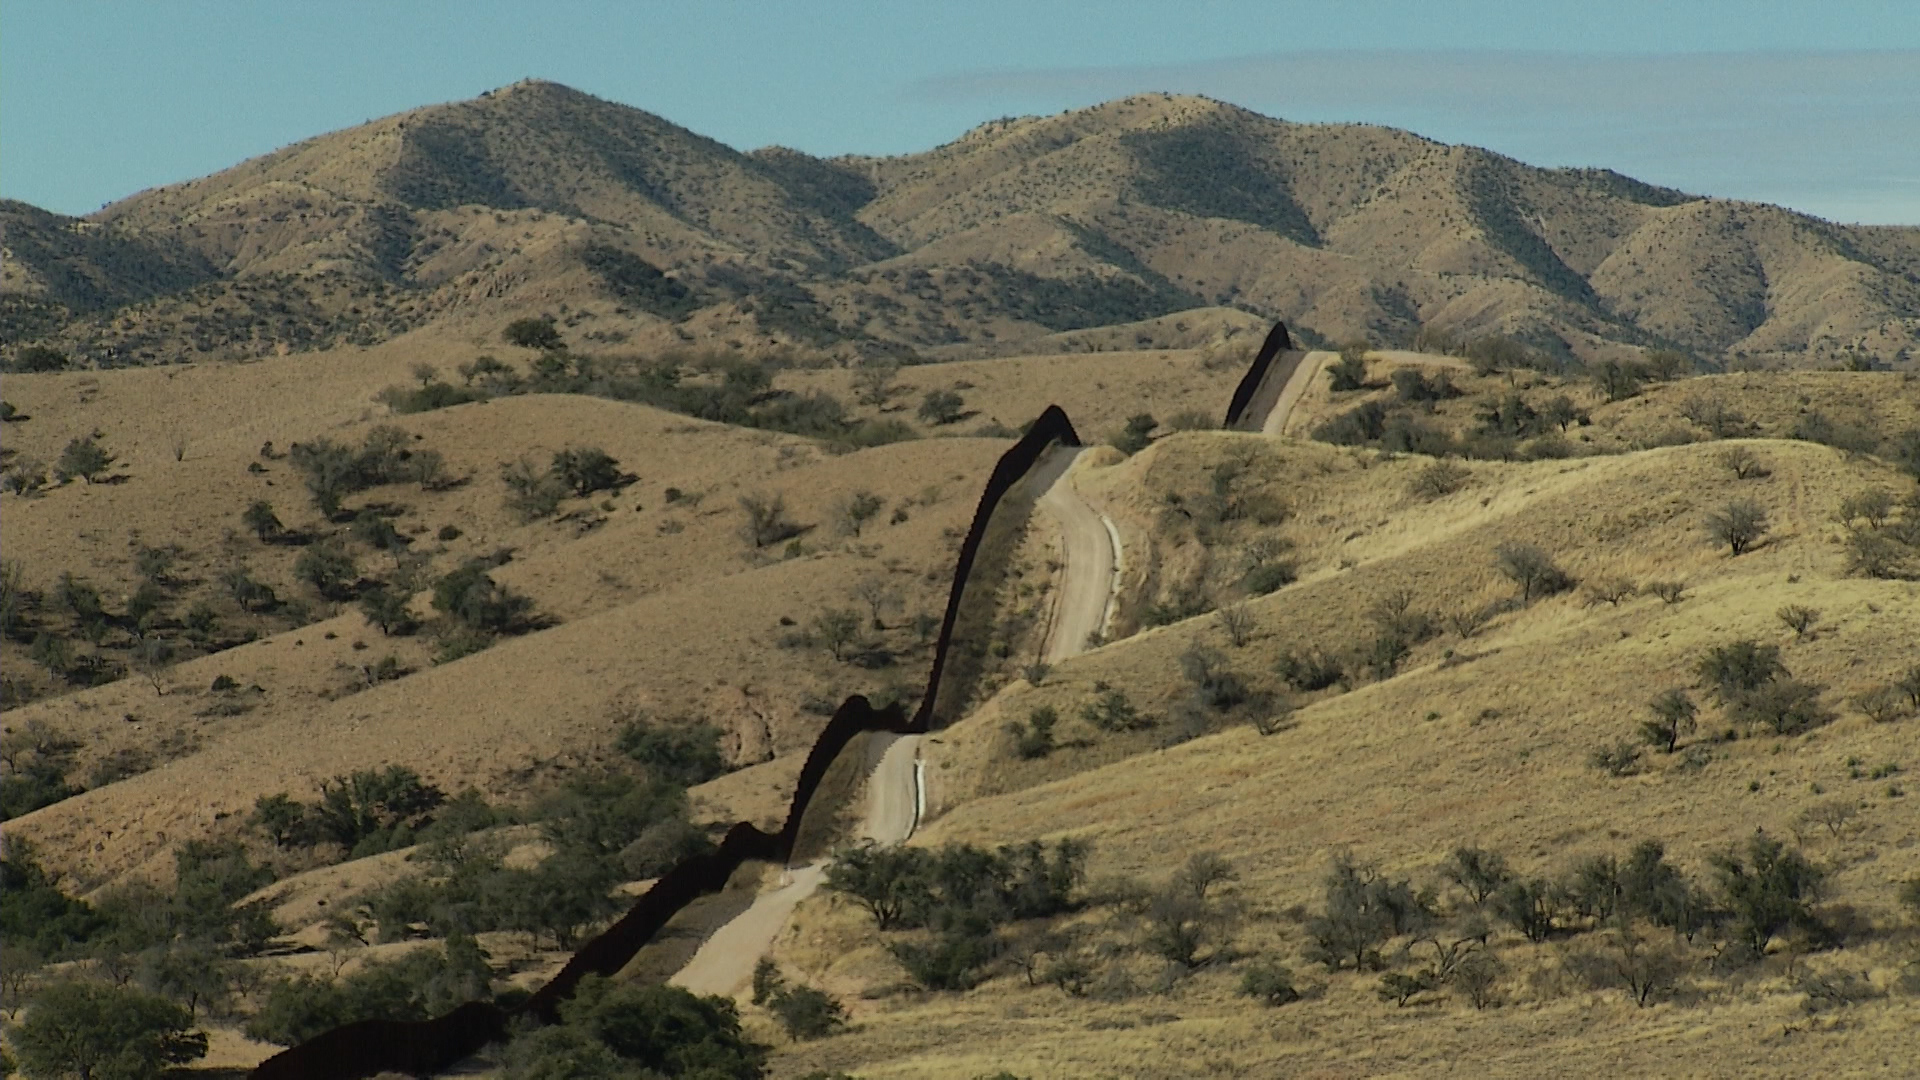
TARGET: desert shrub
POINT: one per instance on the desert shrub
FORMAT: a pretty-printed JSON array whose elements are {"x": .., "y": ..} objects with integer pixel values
[
  {"x": 1768, "y": 889},
  {"x": 82, "y": 457},
  {"x": 1613, "y": 591},
  {"x": 942, "y": 407},
  {"x": 388, "y": 609},
  {"x": 1881, "y": 704},
  {"x": 852, "y": 512},
  {"x": 1740, "y": 666},
  {"x": 767, "y": 521},
  {"x": 683, "y": 754},
  {"x": 1620, "y": 759},
  {"x": 1618, "y": 381},
  {"x": 1214, "y": 683},
  {"x": 1269, "y": 576},
  {"x": 1529, "y": 906},
  {"x": 470, "y": 596},
  {"x": 806, "y": 1013},
  {"x": 24, "y": 477},
  {"x": 1269, "y": 983},
  {"x": 532, "y": 333},
  {"x": 1136, "y": 435},
  {"x": 1479, "y": 873},
  {"x": 1439, "y": 479},
  {"x": 1350, "y": 371},
  {"x": 329, "y": 568},
  {"x": 1236, "y": 621},
  {"x": 1740, "y": 524},
  {"x": 1850, "y": 438},
  {"x": 260, "y": 518},
  {"x": 1673, "y": 718},
  {"x": 1509, "y": 417},
  {"x": 92, "y": 1031},
  {"x": 1647, "y": 967},
  {"x": 586, "y": 469},
  {"x": 1184, "y": 928},
  {"x": 38, "y": 760},
  {"x": 1112, "y": 711},
  {"x": 1192, "y": 420},
  {"x": 1798, "y": 618},
  {"x": 1669, "y": 592},
  {"x": 1413, "y": 387},
  {"x": 532, "y": 493},
  {"x": 1362, "y": 424},
  {"x": 1310, "y": 670},
  {"x": 368, "y": 811},
  {"x": 1785, "y": 706},
  {"x": 1363, "y": 910},
  {"x": 1532, "y": 569},
  {"x": 39, "y": 358},
  {"x": 1874, "y": 506},
  {"x": 422, "y": 983},
  {"x": 1034, "y": 738}
]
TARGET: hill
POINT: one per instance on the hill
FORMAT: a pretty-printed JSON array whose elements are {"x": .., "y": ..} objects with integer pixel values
[{"x": 537, "y": 199}]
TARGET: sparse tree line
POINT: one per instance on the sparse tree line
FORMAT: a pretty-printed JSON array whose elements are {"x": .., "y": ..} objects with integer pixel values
[
  {"x": 1514, "y": 426},
  {"x": 712, "y": 385},
  {"x": 169, "y": 959},
  {"x": 1636, "y": 923}
]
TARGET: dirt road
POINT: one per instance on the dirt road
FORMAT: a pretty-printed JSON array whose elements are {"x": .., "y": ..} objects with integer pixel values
[
  {"x": 1304, "y": 372},
  {"x": 724, "y": 962},
  {"x": 1091, "y": 550}
]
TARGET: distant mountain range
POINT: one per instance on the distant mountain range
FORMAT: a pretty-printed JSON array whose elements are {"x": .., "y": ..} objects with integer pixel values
[{"x": 538, "y": 199}]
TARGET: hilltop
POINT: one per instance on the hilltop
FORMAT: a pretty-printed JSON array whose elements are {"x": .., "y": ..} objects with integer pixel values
[{"x": 538, "y": 199}]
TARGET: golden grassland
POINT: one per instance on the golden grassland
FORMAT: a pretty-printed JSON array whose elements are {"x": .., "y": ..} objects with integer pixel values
[{"x": 1481, "y": 740}]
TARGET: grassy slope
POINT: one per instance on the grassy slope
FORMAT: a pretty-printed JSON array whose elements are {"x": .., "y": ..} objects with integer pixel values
[{"x": 1401, "y": 771}]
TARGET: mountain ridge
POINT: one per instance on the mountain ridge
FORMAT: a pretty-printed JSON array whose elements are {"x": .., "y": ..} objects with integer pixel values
[{"x": 539, "y": 199}]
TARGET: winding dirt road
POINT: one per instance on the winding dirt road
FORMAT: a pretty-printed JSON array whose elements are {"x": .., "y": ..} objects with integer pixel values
[{"x": 724, "y": 962}]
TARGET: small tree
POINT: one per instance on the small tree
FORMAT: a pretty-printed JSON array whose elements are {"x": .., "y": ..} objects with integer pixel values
[
  {"x": 387, "y": 608},
  {"x": 83, "y": 457},
  {"x": 1478, "y": 872},
  {"x": 1236, "y": 621},
  {"x": 1768, "y": 889},
  {"x": 1739, "y": 525},
  {"x": 1532, "y": 569},
  {"x": 1673, "y": 717},
  {"x": 533, "y": 334},
  {"x": 942, "y": 407},
  {"x": 329, "y": 568},
  {"x": 767, "y": 521},
  {"x": 1113, "y": 712},
  {"x": 1798, "y": 618},
  {"x": 1742, "y": 462},
  {"x": 873, "y": 382},
  {"x": 806, "y": 1013},
  {"x": 1616, "y": 380},
  {"x": 1136, "y": 436},
  {"x": 852, "y": 512},
  {"x": 1269, "y": 983},
  {"x": 838, "y": 629},
  {"x": 1350, "y": 371},
  {"x": 104, "y": 1033}
]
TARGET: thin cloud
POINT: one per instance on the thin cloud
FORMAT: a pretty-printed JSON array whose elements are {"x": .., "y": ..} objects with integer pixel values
[{"x": 1832, "y": 133}]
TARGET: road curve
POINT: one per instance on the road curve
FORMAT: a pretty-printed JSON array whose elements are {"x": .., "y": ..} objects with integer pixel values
[
  {"x": 1088, "y": 549},
  {"x": 724, "y": 962}
]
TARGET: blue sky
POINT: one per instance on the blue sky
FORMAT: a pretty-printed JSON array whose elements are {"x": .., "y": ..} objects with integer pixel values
[{"x": 1815, "y": 105}]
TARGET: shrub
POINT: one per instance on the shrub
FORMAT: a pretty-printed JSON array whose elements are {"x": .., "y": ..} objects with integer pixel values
[
  {"x": 83, "y": 457},
  {"x": 1740, "y": 666},
  {"x": 1620, "y": 759},
  {"x": 1215, "y": 684},
  {"x": 371, "y": 805},
  {"x": 471, "y": 597},
  {"x": 767, "y": 521},
  {"x": 260, "y": 518},
  {"x": 104, "y": 1032},
  {"x": 1113, "y": 712},
  {"x": 1478, "y": 872},
  {"x": 1669, "y": 592},
  {"x": 1618, "y": 381},
  {"x": 1786, "y": 706},
  {"x": 852, "y": 513},
  {"x": 531, "y": 492},
  {"x": 1137, "y": 435},
  {"x": 329, "y": 568},
  {"x": 1532, "y": 569},
  {"x": 1740, "y": 524},
  {"x": 1269, "y": 983},
  {"x": 942, "y": 407},
  {"x": 806, "y": 1013},
  {"x": 586, "y": 470},
  {"x": 1439, "y": 479},
  {"x": 533, "y": 334},
  {"x": 1798, "y": 618},
  {"x": 1269, "y": 576},
  {"x": 1528, "y": 906},
  {"x": 683, "y": 754},
  {"x": 1673, "y": 717},
  {"x": 39, "y": 358},
  {"x": 1350, "y": 371},
  {"x": 1034, "y": 739},
  {"x": 1309, "y": 671},
  {"x": 1769, "y": 889},
  {"x": 1363, "y": 911},
  {"x": 388, "y": 609},
  {"x": 1236, "y": 621}
]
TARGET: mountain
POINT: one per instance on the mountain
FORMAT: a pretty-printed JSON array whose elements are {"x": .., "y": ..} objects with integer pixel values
[{"x": 538, "y": 199}]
